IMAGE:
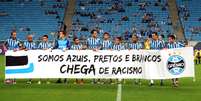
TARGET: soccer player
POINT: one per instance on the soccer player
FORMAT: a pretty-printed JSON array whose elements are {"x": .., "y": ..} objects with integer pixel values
[
  {"x": 64, "y": 44},
  {"x": 12, "y": 44},
  {"x": 94, "y": 43},
  {"x": 161, "y": 38},
  {"x": 135, "y": 45},
  {"x": 106, "y": 45},
  {"x": 118, "y": 44},
  {"x": 44, "y": 45},
  {"x": 156, "y": 44},
  {"x": 77, "y": 46},
  {"x": 171, "y": 45},
  {"x": 29, "y": 45}
]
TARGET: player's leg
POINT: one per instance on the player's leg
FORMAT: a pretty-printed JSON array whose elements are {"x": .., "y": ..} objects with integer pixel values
[
  {"x": 65, "y": 81},
  {"x": 48, "y": 81},
  {"x": 39, "y": 81},
  {"x": 175, "y": 82},
  {"x": 59, "y": 80},
  {"x": 151, "y": 82},
  {"x": 161, "y": 82},
  {"x": 29, "y": 81}
]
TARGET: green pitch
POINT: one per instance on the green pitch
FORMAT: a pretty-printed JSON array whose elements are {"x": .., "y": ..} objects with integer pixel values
[{"x": 188, "y": 90}]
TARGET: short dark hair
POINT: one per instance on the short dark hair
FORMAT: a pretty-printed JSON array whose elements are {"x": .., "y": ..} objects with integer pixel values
[
  {"x": 172, "y": 36},
  {"x": 118, "y": 37},
  {"x": 155, "y": 33},
  {"x": 135, "y": 36},
  {"x": 162, "y": 35},
  {"x": 45, "y": 36},
  {"x": 94, "y": 31},
  {"x": 106, "y": 33},
  {"x": 62, "y": 32},
  {"x": 13, "y": 32},
  {"x": 75, "y": 38}
]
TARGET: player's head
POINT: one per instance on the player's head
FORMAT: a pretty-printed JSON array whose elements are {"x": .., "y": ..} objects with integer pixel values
[
  {"x": 13, "y": 34},
  {"x": 134, "y": 38},
  {"x": 117, "y": 40},
  {"x": 161, "y": 37},
  {"x": 45, "y": 38},
  {"x": 76, "y": 40},
  {"x": 171, "y": 38},
  {"x": 29, "y": 38},
  {"x": 155, "y": 36},
  {"x": 62, "y": 34},
  {"x": 106, "y": 36},
  {"x": 94, "y": 33}
]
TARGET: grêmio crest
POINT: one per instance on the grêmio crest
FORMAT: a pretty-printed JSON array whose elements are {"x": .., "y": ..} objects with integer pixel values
[{"x": 175, "y": 64}]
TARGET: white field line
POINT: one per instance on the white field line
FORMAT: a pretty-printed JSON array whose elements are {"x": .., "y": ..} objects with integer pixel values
[{"x": 119, "y": 91}]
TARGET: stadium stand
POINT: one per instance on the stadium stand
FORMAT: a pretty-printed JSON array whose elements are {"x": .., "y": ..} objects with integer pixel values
[
  {"x": 37, "y": 17},
  {"x": 190, "y": 15},
  {"x": 121, "y": 17},
  {"x": 118, "y": 17}
]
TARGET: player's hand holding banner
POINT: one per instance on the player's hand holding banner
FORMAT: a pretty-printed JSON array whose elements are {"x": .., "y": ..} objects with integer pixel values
[{"x": 143, "y": 64}]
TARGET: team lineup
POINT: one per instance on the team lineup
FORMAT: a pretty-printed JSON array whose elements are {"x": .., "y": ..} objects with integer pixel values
[
  {"x": 100, "y": 50},
  {"x": 94, "y": 43}
]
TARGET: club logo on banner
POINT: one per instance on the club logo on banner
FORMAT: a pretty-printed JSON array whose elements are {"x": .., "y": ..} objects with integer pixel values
[{"x": 175, "y": 64}]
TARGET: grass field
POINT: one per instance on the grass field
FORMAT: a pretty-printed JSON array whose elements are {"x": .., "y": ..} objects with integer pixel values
[{"x": 188, "y": 91}]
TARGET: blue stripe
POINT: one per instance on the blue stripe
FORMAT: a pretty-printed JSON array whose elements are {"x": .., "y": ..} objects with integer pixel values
[
  {"x": 93, "y": 43},
  {"x": 118, "y": 47},
  {"x": 76, "y": 47},
  {"x": 29, "y": 45},
  {"x": 12, "y": 44},
  {"x": 157, "y": 44},
  {"x": 44, "y": 45},
  {"x": 106, "y": 44},
  {"x": 25, "y": 70},
  {"x": 135, "y": 45},
  {"x": 174, "y": 45}
]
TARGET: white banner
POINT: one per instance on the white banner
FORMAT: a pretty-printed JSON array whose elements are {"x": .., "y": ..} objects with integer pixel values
[{"x": 127, "y": 64}]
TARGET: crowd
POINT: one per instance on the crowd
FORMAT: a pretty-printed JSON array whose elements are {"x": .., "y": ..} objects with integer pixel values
[
  {"x": 153, "y": 42},
  {"x": 102, "y": 17}
]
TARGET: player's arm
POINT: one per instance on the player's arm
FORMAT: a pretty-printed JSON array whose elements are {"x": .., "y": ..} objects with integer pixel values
[
  {"x": 129, "y": 46},
  {"x": 162, "y": 45},
  {"x": 17, "y": 47},
  {"x": 140, "y": 46},
  {"x": 68, "y": 45},
  {"x": 39, "y": 46},
  {"x": 55, "y": 44},
  {"x": 34, "y": 46},
  {"x": 87, "y": 43},
  {"x": 110, "y": 47},
  {"x": 99, "y": 46}
]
